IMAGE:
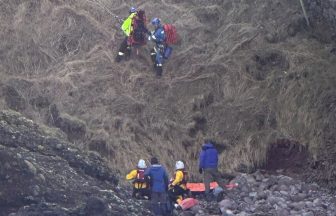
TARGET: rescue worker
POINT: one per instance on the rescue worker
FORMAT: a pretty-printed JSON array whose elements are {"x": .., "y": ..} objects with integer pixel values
[
  {"x": 178, "y": 185},
  {"x": 157, "y": 52},
  {"x": 140, "y": 184},
  {"x": 208, "y": 165},
  {"x": 158, "y": 178},
  {"x": 134, "y": 27}
]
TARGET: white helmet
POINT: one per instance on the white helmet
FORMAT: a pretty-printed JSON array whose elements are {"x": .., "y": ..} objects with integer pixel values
[
  {"x": 142, "y": 164},
  {"x": 179, "y": 165}
]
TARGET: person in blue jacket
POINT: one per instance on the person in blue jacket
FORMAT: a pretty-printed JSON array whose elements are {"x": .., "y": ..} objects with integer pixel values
[
  {"x": 157, "y": 52},
  {"x": 208, "y": 165},
  {"x": 158, "y": 179}
]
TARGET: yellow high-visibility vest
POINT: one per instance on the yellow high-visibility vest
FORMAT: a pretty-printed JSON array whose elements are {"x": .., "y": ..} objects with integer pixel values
[{"x": 127, "y": 25}]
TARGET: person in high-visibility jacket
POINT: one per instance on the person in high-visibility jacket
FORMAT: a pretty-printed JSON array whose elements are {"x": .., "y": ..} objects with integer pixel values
[
  {"x": 126, "y": 27},
  {"x": 135, "y": 30},
  {"x": 178, "y": 185},
  {"x": 141, "y": 187}
]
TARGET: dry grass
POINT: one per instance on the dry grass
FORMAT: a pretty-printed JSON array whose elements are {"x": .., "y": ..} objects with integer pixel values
[{"x": 65, "y": 50}]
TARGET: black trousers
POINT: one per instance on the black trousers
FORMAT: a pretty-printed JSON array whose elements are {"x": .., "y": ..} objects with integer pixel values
[
  {"x": 141, "y": 192},
  {"x": 176, "y": 191},
  {"x": 159, "y": 204},
  {"x": 124, "y": 48}
]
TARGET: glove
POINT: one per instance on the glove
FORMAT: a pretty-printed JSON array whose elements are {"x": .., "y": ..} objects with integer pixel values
[
  {"x": 200, "y": 170},
  {"x": 149, "y": 37}
]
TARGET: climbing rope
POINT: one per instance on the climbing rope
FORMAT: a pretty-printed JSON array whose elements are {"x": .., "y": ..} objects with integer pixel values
[
  {"x": 104, "y": 7},
  {"x": 304, "y": 12}
]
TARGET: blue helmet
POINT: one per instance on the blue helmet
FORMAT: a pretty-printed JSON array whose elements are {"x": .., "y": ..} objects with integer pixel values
[
  {"x": 132, "y": 10},
  {"x": 156, "y": 21}
]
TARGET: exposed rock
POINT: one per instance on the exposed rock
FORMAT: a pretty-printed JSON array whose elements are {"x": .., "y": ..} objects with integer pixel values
[
  {"x": 99, "y": 146},
  {"x": 53, "y": 180},
  {"x": 308, "y": 213},
  {"x": 14, "y": 99},
  {"x": 226, "y": 204},
  {"x": 282, "y": 212},
  {"x": 280, "y": 199},
  {"x": 31, "y": 167},
  {"x": 96, "y": 206},
  {"x": 322, "y": 18},
  {"x": 73, "y": 127},
  {"x": 39, "y": 102},
  {"x": 285, "y": 77}
]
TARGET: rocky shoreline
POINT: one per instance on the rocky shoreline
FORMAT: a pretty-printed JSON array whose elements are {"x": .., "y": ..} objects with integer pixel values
[{"x": 263, "y": 194}]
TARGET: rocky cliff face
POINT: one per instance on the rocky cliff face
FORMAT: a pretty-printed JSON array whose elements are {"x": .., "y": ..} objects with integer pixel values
[
  {"x": 323, "y": 18},
  {"x": 42, "y": 174},
  {"x": 249, "y": 74},
  {"x": 319, "y": 10}
]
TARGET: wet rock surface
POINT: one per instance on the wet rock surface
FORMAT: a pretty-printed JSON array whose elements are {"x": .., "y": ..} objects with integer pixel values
[
  {"x": 42, "y": 174},
  {"x": 263, "y": 194}
]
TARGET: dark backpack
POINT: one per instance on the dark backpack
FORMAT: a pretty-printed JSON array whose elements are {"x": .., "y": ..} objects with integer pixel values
[
  {"x": 138, "y": 35},
  {"x": 138, "y": 32},
  {"x": 171, "y": 34}
]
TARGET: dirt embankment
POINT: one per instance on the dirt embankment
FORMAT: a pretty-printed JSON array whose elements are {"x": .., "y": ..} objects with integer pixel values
[{"x": 248, "y": 74}]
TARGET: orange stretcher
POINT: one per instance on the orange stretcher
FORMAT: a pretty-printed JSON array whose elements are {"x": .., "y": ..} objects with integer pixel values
[{"x": 199, "y": 187}]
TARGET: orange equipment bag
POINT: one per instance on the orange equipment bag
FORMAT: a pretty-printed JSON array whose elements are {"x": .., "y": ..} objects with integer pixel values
[{"x": 199, "y": 187}]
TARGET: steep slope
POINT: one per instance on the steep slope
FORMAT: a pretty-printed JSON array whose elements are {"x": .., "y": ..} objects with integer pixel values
[{"x": 249, "y": 74}]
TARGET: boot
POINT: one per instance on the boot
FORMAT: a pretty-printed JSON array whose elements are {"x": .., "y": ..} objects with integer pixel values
[
  {"x": 220, "y": 196},
  {"x": 158, "y": 70},
  {"x": 118, "y": 58},
  {"x": 209, "y": 197},
  {"x": 128, "y": 53},
  {"x": 153, "y": 55}
]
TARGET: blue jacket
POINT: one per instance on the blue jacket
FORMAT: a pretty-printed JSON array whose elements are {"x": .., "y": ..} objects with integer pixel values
[
  {"x": 158, "y": 178},
  {"x": 159, "y": 35},
  {"x": 208, "y": 157}
]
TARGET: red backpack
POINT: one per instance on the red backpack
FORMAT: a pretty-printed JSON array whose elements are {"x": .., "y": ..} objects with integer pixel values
[
  {"x": 140, "y": 178},
  {"x": 171, "y": 34}
]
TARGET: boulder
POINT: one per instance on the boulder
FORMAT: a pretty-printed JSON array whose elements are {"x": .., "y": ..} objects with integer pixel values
[{"x": 14, "y": 99}]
